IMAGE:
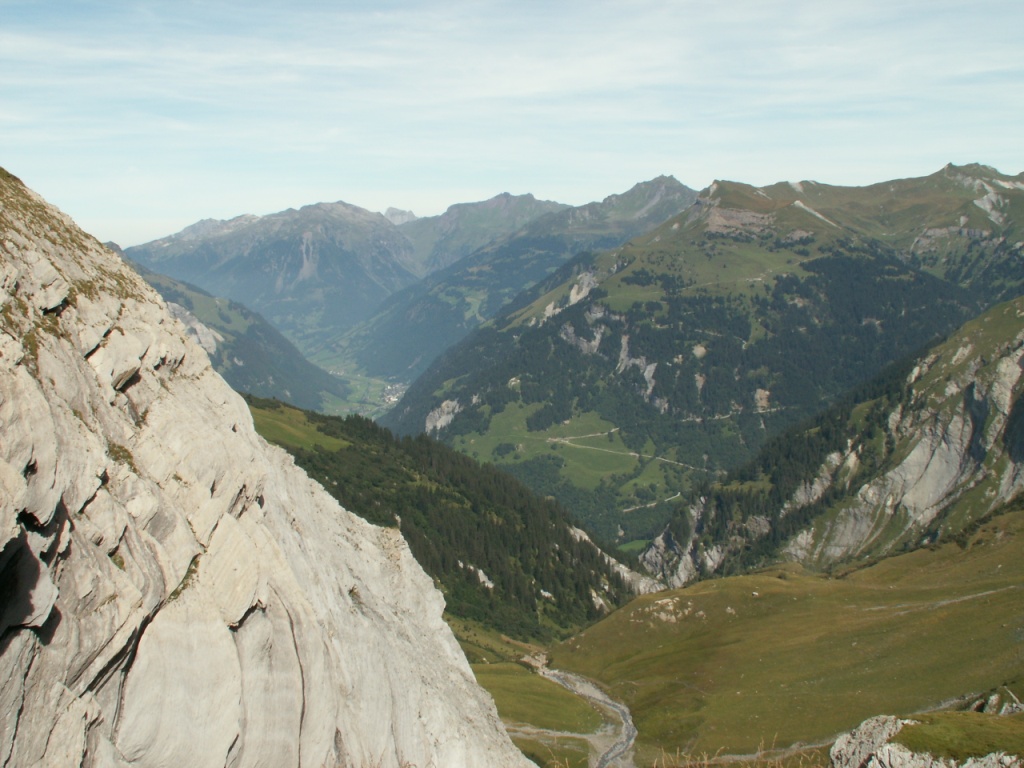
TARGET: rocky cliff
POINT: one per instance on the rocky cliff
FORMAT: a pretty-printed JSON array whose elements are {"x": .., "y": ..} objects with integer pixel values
[
  {"x": 175, "y": 591},
  {"x": 948, "y": 452},
  {"x": 955, "y": 451}
]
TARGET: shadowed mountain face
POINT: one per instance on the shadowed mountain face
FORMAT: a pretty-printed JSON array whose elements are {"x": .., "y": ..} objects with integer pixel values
[
  {"x": 416, "y": 324},
  {"x": 309, "y": 271},
  {"x": 621, "y": 379},
  {"x": 440, "y": 241},
  {"x": 251, "y": 355},
  {"x": 323, "y": 268}
]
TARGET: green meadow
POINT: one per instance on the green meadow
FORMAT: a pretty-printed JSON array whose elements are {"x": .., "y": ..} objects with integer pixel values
[
  {"x": 289, "y": 427},
  {"x": 786, "y": 657}
]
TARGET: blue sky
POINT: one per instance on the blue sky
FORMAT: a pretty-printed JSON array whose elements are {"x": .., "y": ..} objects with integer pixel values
[{"x": 139, "y": 118}]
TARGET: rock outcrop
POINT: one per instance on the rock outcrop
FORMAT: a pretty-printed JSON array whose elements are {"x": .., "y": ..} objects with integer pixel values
[
  {"x": 954, "y": 454},
  {"x": 175, "y": 591},
  {"x": 870, "y": 746},
  {"x": 955, "y": 443}
]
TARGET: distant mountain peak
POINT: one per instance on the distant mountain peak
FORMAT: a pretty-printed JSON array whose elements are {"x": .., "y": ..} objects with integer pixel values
[
  {"x": 213, "y": 227},
  {"x": 398, "y": 217}
]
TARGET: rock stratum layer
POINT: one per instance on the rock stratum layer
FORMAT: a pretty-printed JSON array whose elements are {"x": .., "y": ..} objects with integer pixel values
[
  {"x": 175, "y": 591},
  {"x": 955, "y": 455}
]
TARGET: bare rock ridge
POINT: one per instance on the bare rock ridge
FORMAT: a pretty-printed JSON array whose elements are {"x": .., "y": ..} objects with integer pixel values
[
  {"x": 957, "y": 457},
  {"x": 175, "y": 591}
]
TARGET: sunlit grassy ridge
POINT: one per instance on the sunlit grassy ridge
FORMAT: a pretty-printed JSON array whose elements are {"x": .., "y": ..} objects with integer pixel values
[
  {"x": 784, "y": 656},
  {"x": 522, "y": 696},
  {"x": 962, "y": 735},
  {"x": 289, "y": 427}
]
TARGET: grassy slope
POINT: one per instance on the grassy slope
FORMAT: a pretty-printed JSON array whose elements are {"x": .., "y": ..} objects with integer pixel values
[
  {"x": 289, "y": 427},
  {"x": 525, "y": 700},
  {"x": 716, "y": 667},
  {"x": 523, "y": 697},
  {"x": 961, "y": 735}
]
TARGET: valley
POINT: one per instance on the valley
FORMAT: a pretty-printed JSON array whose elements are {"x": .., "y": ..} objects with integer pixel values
[
  {"x": 804, "y": 422},
  {"x": 700, "y": 341},
  {"x": 786, "y": 657},
  {"x": 778, "y": 663},
  {"x": 718, "y": 400}
]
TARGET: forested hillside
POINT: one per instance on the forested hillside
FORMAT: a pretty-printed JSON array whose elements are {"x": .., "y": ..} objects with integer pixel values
[
  {"x": 501, "y": 554},
  {"x": 629, "y": 375},
  {"x": 922, "y": 454},
  {"x": 415, "y": 325}
]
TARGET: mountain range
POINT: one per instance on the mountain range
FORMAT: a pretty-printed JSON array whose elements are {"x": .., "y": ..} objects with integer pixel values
[
  {"x": 812, "y": 393},
  {"x": 414, "y": 325},
  {"x": 621, "y": 379},
  {"x": 324, "y": 267},
  {"x": 318, "y": 271}
]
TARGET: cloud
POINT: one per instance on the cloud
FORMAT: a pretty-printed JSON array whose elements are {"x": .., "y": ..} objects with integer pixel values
[{"x": 583, "y": 99}]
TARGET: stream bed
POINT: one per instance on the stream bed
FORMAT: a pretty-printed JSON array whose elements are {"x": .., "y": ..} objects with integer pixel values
[{"x": 620, "y": 753}]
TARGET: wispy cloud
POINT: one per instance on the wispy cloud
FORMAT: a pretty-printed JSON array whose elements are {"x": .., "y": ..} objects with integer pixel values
[{"x": 179, "y": 111}]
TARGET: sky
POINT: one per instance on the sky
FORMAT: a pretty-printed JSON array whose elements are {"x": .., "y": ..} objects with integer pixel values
[{"x": 141, "y": 117}]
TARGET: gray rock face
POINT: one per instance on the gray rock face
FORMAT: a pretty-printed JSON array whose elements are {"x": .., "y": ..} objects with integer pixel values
[
  {"x": 954, "y": 445},
  {"x": 175, "y": 591}
]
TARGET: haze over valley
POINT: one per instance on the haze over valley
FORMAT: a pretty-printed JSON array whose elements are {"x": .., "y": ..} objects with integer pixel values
[
  {"x": 495, "y": 385},
  {"x": 766, "y": 389}
]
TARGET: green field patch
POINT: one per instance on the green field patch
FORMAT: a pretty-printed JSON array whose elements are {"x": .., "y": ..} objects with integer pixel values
[
  {"x": 591, "y": 448},
  {"x": 370, "y": 396},
  {"x": 508, "y": 426},
  {"x": 636, "y": 547},
  {"x": 525, "y": 697},
  {"x": 289, "y": 427},
  {"x": 485, "y": 645},
  {"x": 583, "y": 443},
  {"x": 962, "y": 735},
  {"x": 624, "y": 296},
  {"x": 557, "y": 752}
]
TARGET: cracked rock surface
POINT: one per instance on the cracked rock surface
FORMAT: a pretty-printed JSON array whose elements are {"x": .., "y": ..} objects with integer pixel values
[{"x": 175, "y": 591}]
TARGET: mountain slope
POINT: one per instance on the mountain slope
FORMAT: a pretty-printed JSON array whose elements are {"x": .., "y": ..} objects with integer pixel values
[
  {"x": 310, "y": 271},
  {"x": 251, "y": 355},
  {"x": 323, "y": 268},
  {"x": 175, "y": 591},
  {"x": 629, "y": 374},
  {"x": 501, "y": 555},
  {"x": 785, "y": 658},
  {"x": 415, "y": 325},
  {"x": 908, "y": 494},
  {"x": 440, "y": 241},
  {"x": 922, "y": 455}
]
